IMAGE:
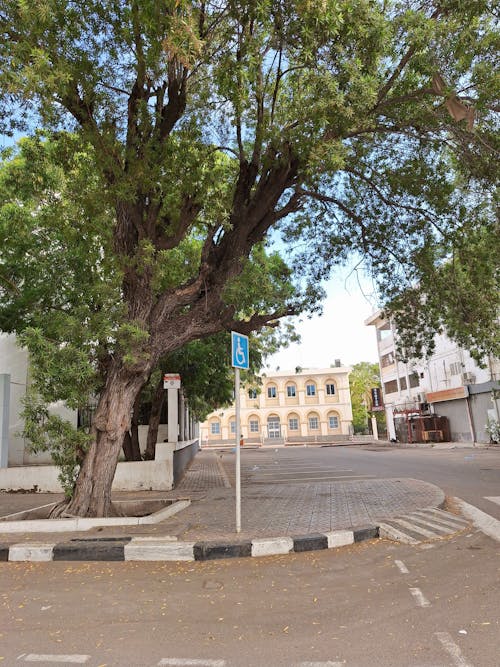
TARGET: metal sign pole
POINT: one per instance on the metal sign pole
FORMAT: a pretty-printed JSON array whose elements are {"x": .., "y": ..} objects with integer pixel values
[
  {"x": 238, "y": 459},
  {"x": 239, "y": 359}
]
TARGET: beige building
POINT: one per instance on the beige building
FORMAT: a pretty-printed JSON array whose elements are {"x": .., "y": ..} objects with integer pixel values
[{"x": 310, "y": 405}]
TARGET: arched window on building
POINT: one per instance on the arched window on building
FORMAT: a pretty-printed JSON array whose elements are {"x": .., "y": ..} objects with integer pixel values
[
  {"x": 310, "y": 388},
  {"x": 313, "y": 422},
  {"x": 293, "y": 423},
  {"x": 330, "y": 388},
  {"x": 333, "y": 421},
  {"x": 253, "y": 425},
  {"x": 215, "y": 427},
  {"x": 272, "y": 391}
]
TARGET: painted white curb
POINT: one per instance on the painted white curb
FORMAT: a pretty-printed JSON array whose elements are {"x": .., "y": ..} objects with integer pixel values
[
  {"x": 340, "y": 538},
  {"x": 159, "y": 549},
  {"x": 31, "y": 551},
  {"x": 486, "y": 523},
  {"x": 272, "y": 546}
]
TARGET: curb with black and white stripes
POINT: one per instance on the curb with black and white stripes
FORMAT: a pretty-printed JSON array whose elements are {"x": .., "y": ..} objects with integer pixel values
[
  {"x": 430, "y": 523},
  {"x": 169, "y": 549}
]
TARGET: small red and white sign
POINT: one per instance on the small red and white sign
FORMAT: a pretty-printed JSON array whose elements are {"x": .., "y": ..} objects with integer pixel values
[{"x": 171, "y": 381}]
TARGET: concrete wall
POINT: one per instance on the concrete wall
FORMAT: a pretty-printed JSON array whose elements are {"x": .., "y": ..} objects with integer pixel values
[
  {"x": 130, "y": 476},
  {"x": 155, "y": 475},
  {"x": 182, "y": 458}
]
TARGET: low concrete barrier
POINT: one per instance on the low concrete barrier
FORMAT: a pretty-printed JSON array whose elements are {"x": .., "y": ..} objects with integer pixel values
[{"x": 157, "y": 475}]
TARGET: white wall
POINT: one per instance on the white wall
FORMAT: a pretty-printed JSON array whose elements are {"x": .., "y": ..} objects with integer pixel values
[{"x": 14, "y": 361}]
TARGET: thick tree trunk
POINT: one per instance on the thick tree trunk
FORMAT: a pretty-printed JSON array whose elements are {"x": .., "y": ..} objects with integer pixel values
[
  {"x": 154, "y": 421},
  {"x": 131, "y": 447},
  {"x": 127, "y": 446},
  {"x": 134, "y": 430},
  {"x": 92, "y": 496}
]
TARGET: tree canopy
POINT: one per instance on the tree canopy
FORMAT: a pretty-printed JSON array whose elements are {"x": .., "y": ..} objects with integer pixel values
[
  {"x": 364, "y": 377},
  {"x": 342, "y": 125}
]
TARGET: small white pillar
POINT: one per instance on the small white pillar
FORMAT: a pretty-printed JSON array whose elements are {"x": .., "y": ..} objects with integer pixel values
[
  {"x": 374, "y": 428},
  {"x": 182, "y": 417},
  {"x": 4, "y": 419},
  {"x": 173, "y": 415}
]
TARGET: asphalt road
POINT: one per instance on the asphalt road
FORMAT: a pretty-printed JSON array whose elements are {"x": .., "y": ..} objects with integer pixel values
[
  {"x": 369, "y": 605},
  {"x": 363, "y": 606}
]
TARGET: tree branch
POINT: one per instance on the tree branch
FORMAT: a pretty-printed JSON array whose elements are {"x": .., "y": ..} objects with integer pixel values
[
  {"x": 400, "y": 67},
  {"x": 390, "y": 202}
]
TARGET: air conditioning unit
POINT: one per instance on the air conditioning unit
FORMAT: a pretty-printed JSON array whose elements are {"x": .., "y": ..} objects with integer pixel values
[{"x": 468, "y": 378}]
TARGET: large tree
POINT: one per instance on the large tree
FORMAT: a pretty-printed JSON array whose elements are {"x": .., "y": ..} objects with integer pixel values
[
  {"x": 340, "y": 122},
  {"x": 364, "y": 377},
  {"x": 61, "y": 296}
]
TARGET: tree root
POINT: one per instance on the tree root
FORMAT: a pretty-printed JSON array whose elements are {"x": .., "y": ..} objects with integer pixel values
[{"x": 59, "y": 511}]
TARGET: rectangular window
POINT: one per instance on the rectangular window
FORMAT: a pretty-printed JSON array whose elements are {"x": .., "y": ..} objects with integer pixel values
[
  {"x": 254, "y": 426},
  {"x": 402, "y": 383},
  {"x": 414, "y": 380},
  {"x": 233, "y": 426},
  {"x": 333, "y": 421},
  {"x": 215, "y": 428},
  {"x": 311, "y": 390},
  {"x": 387, "y": 359},
  {"x": 290, "y": 391},
  {"x": 330, "y": 390},
  {"x": 313, "y": 423},
  {"x": 455, "y": 368},
  {"x": 384, "y": 332},
  {"x": 271, "y": 392},
  {"x": 252, "y": 393},
  {"x": 390, "y": 387},
  {"x": 293, "y": 424}
]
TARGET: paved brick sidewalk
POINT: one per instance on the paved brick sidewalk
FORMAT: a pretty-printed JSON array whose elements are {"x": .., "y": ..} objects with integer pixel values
[
  {"x": 288, "y": 509},
  {"x": 268, "y": 510}
]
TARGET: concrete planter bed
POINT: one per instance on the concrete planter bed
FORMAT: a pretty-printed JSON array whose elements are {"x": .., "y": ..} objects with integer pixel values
[{"x": 135, "y": 513}]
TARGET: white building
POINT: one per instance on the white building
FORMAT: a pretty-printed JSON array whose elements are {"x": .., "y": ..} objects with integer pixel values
[
  {"x": 449, "y": 383},
  {"x": 179, "y": 429},
  {"x": 14, "y": 382}
]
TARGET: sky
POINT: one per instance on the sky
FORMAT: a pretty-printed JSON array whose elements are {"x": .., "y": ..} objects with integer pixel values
[{"x": 339, "y": 333}]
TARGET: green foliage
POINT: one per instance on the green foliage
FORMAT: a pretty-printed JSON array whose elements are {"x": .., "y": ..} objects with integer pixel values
[
  {"x": 339, "y": 95},
  {"x": 47, "y": 432},
  {"x": 339, "y": 126},
  {"x": 265, "y": 281},
  {"x": 206, "y": 371},
  {"x": 364, "y": 377},
  {"x": 493, "y": 429},
  {"x": 59, "y": 286},
  {"x": 457, "y": 292},
  {"x": 63, "y": 372}
]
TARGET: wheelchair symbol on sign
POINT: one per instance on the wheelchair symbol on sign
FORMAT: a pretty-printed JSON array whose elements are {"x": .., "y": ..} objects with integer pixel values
[
  {"x": 240, "y": 353},
  {"x": 239, "y": 344}
]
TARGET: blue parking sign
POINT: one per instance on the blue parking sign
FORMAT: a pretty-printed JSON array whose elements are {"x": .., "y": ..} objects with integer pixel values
[{"x": 239, "y": 350}]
